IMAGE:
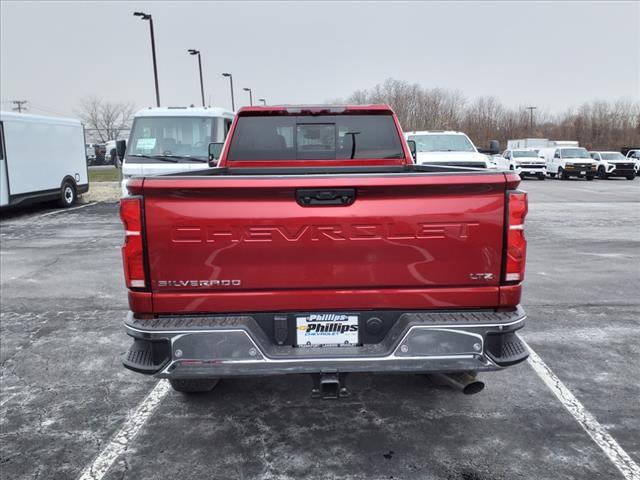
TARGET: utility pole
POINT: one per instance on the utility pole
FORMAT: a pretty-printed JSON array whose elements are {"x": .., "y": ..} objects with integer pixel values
[
  {"x": 19, "y": 105},
  {"x": 531, "y": 109}
]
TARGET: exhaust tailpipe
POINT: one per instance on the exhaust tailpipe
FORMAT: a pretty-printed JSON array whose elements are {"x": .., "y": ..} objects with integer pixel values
[{"x": 465, "y": 382}]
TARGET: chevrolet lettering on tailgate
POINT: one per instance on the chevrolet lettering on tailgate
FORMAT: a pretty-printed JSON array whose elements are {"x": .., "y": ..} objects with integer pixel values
[{"x": 270, "y": 233}]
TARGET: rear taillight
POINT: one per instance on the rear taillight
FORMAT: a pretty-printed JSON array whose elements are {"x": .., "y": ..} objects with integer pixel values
[
  {"x": 517, "y": 202},
  {"x": 132, "y": 250}
]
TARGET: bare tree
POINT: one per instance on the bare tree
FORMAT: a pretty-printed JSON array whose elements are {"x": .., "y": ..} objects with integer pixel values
[
  {"x": 106, "y": 120},
  {"x": 598, "y": 124}
]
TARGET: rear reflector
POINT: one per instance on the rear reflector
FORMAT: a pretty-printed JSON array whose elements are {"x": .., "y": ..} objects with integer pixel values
[
  {"x": 132, "y": 250},
  {"x": 517, "y": 202}
]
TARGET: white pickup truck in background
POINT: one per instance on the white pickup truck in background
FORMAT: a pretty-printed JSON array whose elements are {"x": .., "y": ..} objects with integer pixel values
[
  {"x": 527, "y": 162},
  {"x": 446, "y": 147},
  {"x": 634, "y": 154}
]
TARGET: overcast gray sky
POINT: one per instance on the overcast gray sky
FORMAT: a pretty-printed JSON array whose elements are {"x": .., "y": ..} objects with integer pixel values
[{"x": 549, "y": 54}]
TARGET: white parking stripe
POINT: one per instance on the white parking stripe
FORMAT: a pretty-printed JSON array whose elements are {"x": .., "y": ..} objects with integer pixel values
[
  {"x": 597, "y": 432},
  {"x": 120, "y": 441},
  {"x": 62, "y": 210}
]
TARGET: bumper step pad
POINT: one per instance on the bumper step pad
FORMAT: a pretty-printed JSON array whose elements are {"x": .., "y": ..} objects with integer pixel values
[
  {"x": 512, "y": 351},
  {"x": 141, "y": 358}
]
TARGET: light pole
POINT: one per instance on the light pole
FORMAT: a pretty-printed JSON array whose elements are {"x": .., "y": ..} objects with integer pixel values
[
  {"x": 233, "y": 102},
  {"x": 264, "y": 102},
  {"x": 531, "y": 109},
  {"x": 197, "y": 52},
  {"x": 250, "y": 95},
  {"x": 146, "y": 16}
]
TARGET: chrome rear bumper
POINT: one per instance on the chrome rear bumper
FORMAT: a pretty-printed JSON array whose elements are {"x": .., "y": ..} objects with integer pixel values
[{"x": 223, "y": 346}]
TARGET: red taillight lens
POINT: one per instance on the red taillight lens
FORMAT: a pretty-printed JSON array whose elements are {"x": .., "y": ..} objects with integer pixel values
[
  {"x": 132, "y": 250},
  {"x": 516, "y": 243}
]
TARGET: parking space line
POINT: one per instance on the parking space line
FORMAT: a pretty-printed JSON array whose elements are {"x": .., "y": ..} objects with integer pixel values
[
  {"x": 596, "y": 431},
  {"x": 120, "y": 441},
  {"x": 65, "y": 210}
]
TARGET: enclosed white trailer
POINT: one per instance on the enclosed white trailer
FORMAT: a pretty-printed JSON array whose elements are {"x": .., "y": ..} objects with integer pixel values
[
  {"x": 527, "y": 143},
  {"x": 538, "y": 143},
  {"x": 41, "y": 159}
]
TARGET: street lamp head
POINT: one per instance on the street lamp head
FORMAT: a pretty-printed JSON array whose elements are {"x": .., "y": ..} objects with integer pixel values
[
  {"x": 226, "y": 74},
  {"x": 145, "y": 16},
  {"x": 193, "y": 52},
  {"x": 247, "y": 89},
  {"x": 262, "y": 100}
]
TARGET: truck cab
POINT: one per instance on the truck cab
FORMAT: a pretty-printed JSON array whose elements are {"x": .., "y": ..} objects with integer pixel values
[
  {"x": 444, "y": 147},
  {"x": 172, "y": 139},
  {"x": 527, "y": 162},
  {"x": 567, "y": 162}
]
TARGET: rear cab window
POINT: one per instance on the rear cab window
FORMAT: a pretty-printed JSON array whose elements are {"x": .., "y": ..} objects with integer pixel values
[{"x": 315, "y": 137}]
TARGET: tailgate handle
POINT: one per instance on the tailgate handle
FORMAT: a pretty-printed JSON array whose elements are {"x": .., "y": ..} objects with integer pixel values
[{"x": 310, "y": 197}]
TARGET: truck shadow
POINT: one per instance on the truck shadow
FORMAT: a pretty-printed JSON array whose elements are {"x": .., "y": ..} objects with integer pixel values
[{"x": 391, "y": 426}]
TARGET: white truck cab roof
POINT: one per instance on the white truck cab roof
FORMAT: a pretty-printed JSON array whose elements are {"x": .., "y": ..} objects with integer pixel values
[
  {"x": 433, "y": 132},
  {"x": 184, "y": 112},
  {"x": 447, "y": 147}
]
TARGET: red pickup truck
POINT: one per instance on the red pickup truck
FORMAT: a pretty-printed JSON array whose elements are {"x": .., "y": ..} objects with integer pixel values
[{"x": 318, "y": 246}]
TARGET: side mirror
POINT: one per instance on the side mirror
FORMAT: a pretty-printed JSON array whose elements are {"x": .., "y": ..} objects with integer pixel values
[
  {"x": 494, "y": 147},
  {"x": 412, "y": 148},
  {"x": 214, "y": 153},
  {"x": 121, "y": 147}
]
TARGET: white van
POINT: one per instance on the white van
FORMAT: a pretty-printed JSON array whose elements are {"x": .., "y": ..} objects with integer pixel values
[
  {"x": 566, "y": 162},
  {"x": 41, "y": 159},
  {"x": 172, "y": 139},
  {"x": 447, "y": 148}
]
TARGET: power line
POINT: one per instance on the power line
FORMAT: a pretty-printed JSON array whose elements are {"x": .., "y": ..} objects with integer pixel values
[{"x": 43, "y": 108}]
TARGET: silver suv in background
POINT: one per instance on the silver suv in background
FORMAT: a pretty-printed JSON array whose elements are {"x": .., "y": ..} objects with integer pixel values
[{"x": 614, "y": 164}]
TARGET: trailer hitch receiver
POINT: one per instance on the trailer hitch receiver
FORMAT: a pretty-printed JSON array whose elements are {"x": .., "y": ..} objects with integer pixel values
[{"x": 329, "y": 386}]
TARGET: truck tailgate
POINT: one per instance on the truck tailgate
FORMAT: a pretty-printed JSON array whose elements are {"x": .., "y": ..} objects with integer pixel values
[{"x": 221, "y": 243}]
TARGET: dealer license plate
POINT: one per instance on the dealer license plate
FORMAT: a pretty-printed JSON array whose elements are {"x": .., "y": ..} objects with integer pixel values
[
  {"x": 583, "y": 173},
  {"x": 327, "y": 330}
]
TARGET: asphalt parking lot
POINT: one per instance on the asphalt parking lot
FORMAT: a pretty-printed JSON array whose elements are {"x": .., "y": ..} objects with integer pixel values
[{"x": 64, "y": 393}]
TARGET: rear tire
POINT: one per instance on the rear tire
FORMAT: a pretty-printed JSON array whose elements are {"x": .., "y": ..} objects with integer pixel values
[
  {"x": 631, "y": 177},
  {"x": 541, "y": 177},
  {"x": 589, "y": 178},
  {"x": 68, "y": 195},
  {"x": 552, "y": 175},
  {"x": 193, "y": 385}
]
